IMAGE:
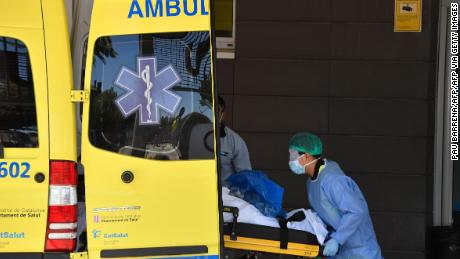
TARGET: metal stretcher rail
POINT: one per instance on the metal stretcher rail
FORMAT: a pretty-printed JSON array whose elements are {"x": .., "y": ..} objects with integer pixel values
[
  {"x": 236, "y": 238},
  {"x": 271, "y": 246}
]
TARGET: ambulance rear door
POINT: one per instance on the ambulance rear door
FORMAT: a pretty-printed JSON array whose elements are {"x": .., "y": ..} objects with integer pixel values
[
  {"x": 24, "y": 137},
  {"x": 148, "y": 131}
]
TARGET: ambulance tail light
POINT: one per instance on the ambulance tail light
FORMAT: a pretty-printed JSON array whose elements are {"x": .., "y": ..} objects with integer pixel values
[{"x": 61, "y": 234}]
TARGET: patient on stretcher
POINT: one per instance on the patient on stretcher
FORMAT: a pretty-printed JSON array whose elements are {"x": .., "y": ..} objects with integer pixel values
[{"x": 251, "y": 215}]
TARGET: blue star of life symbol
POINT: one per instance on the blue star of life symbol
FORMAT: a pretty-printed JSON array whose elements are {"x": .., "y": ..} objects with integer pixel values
[{"x": 147, "y": 90}]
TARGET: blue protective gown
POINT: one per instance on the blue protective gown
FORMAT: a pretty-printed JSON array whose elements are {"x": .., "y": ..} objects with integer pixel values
[{"x": 340, "y": 204}]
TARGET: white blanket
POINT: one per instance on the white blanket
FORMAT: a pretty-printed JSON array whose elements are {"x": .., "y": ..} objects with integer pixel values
[{"x": 251, "y": 215}]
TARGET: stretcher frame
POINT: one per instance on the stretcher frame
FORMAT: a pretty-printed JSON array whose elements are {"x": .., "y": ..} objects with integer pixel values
[{"x": 233, "y": 241}]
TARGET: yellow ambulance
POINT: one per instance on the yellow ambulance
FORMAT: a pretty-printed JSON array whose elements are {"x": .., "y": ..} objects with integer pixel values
[
  {"x": 147, "y": 131},
  {"x": 147, "y": 143},
  {"x": 38, "y": 176}
]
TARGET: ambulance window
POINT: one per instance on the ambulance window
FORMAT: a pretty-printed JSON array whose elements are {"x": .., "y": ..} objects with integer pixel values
[
  {"x": 151, "y": 96},
  {"x": 18, "y": 127}
]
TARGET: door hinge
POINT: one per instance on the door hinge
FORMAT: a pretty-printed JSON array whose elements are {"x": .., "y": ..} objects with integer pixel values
[
  {"x": 81, "y": 255},
  {"x": 79, "y": 96}
]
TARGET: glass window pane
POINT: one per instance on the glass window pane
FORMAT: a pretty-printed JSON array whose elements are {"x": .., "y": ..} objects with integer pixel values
[
  {"x": 224, "y": 18},
  {"x": 18, "y": 127},
  {"x": 151, "y": 96}
]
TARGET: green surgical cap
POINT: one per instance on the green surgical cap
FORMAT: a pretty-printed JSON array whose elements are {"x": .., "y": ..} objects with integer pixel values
[{"x": 307, "y": 143}]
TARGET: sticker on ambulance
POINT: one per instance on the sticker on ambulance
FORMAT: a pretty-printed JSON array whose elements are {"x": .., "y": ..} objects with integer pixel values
[
  {"x": 148, "y": 90},
  {"x": 14, "y": 170},
  {"x": 168, "y": 8}
]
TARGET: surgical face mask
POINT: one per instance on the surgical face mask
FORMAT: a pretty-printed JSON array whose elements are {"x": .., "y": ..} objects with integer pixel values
[
  {"x": 293, "y": 154},
  {"x": 297, "y": 168}
]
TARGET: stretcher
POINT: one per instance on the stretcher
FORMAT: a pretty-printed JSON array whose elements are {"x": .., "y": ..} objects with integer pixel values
[{"x": 256, "y": 238}]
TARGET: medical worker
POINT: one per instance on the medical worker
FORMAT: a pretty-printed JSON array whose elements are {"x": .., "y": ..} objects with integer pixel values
[
  {"x": 336, "y": 198},
  {"x": 234, "y": 154}
]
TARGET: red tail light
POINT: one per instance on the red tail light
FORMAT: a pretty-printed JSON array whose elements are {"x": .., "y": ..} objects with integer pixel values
[
  {"x": 62, "y": 214},
  {"x": 62, "y": 210},
  {"x": 63, "y": 173}
]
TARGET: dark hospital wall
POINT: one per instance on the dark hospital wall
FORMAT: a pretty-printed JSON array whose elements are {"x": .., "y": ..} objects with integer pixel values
[{"x": 336, "y": 68}]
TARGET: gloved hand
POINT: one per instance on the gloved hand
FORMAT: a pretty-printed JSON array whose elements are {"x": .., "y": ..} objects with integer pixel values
[{"x": 331, "y": 247}]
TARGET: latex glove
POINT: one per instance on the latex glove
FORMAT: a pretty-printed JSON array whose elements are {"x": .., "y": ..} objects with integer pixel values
[{"x": 331, "y": 247}]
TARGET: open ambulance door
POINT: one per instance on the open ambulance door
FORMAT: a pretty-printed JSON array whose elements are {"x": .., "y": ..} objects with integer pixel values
[
  {"x": 24, "y": 130},
  {"x": 148, "y": 141},
  {"x": 37, "y": 132}
]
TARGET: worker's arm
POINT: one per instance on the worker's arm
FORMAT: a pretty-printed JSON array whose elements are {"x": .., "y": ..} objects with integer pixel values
[
  {"x": 347, "y": 198},
  {"x": 241, "y": 159}
]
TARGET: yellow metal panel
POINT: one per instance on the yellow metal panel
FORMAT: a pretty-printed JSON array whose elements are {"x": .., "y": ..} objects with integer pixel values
[
  {"x": 21, "y": 153},
  {"x": 21, "y": 14},
  {"x": 112, "y": 17},
  {"x": 166, "y": 215},
  {"x": 169, "y": 203},
  {"x": 63, "y": 129},
  {"x": 271, "y": 246},
  {"x": 23, "y": 200},
  {"x": 21, "y": 196}
]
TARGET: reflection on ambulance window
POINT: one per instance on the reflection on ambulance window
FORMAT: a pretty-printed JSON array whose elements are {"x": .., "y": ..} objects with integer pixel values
[
  {"x": 151, "y": 96},
  {"x": 18, "y": 127}
]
